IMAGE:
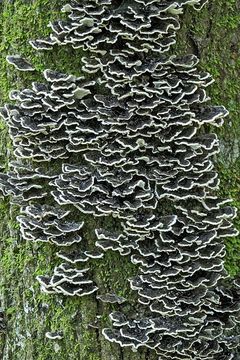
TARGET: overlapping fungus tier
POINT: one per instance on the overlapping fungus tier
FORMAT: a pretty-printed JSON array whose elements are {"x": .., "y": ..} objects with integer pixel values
[
  {"x": 40, "y": 126},
  {"x": 136, "y": 125}
]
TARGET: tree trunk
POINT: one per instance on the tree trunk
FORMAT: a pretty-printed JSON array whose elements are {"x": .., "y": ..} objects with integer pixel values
[{"x": 213, "y": 35}]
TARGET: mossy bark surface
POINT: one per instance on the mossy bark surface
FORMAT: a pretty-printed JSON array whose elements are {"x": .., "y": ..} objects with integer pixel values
[{"x": 213, "y": 35}]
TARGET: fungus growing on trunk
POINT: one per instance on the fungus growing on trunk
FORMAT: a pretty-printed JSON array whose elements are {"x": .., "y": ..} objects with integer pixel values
[
  {"x": 20, "y": 63},
  {"x": 57, "y": 335},
  {"x": 136, "y": 126},
  {"x": 67, "y": 281},
  {"x": 111, "y": 298}
]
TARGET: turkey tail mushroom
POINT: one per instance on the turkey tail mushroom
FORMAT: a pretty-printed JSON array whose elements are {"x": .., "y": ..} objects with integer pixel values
[{"x": 129, "y": 143}]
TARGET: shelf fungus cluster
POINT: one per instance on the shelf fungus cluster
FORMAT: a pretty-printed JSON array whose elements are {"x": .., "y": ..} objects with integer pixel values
[
  {"x": 45, "y": 128},
  {"x": 126, "y": 140}
]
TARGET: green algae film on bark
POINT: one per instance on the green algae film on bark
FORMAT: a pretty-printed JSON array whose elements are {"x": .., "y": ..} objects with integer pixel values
[{"x": 29, "y": 313}]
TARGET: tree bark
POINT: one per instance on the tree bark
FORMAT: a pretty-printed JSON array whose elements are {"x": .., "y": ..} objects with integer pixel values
[{"x": 213, "y": 35}]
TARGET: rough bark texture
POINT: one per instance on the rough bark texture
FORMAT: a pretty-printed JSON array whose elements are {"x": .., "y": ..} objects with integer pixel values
[{"x": 213, "y": 35}]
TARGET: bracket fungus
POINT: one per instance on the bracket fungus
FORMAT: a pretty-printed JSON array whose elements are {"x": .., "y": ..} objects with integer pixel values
[
  {"x": 67, "y": 281},
  {"x": 135, "y": 121},
  {"x": 57, "y": 335},
  {"x": 111, "y": 298},
  {"x": 49, "y": 224},
  {"x": 20, "y": 63}
]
